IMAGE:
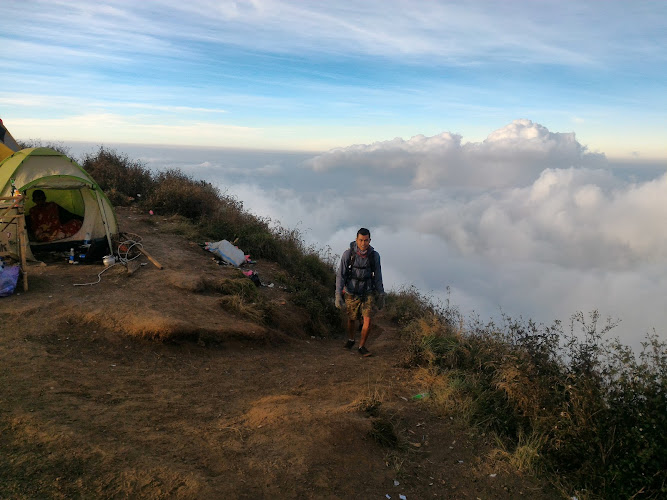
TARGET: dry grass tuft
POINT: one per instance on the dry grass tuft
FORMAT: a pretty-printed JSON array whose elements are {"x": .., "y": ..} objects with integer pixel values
[
  {"x": 383, "y": 432},
  {"x": 525, "y": 457},
  {"x": 446, "y": 392},
  {"x": 236, "y": 304}
]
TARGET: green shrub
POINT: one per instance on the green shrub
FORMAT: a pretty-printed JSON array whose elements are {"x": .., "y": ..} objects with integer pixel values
[
  {"x": 635, "y": 421},
  {"x": 177, "y": 193},
  {"x": 408, "y": 304},
  {"x": 122, "y": 179},
  {"x": 583, "y": 409}
]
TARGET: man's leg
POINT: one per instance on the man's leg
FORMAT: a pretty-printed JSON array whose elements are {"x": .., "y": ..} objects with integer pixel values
[
  {"x": 366, "y": 312},
  {"x": 351, "y": 329},
  {"x": 364, "y": 330},
  {"x": 352, "y": 309}
]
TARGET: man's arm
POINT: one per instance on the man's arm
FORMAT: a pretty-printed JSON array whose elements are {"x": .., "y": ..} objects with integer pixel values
[
  {"x": 340, "y": 273},
  {"x": 377, "y": 278},
  {"x": 340, "y": 279}
]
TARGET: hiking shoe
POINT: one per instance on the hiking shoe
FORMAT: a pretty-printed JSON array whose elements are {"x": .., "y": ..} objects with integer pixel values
[
  {"x": 364, "y": 352},
  {"x": 349, "y": 344}
]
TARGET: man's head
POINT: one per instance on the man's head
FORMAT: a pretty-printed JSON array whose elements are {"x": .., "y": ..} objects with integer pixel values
[
  {"x": 38, "y": 196},
  {"x": 363, "y": 239}
]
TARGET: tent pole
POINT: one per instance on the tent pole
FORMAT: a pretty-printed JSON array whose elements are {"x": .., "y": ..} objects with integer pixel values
[
  {"x": 20, "y": 227},
  {"x": 104, "y": 220}
]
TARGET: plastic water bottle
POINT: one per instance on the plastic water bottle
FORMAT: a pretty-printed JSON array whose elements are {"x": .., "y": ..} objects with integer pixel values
[
  {"x": 71, "y": 256},
  {"x": 83, "y": 249}
]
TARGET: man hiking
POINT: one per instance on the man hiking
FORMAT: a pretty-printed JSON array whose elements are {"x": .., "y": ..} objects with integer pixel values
[{"x": 359, "y": 277}]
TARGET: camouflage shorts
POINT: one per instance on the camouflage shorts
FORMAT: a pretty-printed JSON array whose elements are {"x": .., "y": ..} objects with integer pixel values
[{"x": 356, "y": 303}]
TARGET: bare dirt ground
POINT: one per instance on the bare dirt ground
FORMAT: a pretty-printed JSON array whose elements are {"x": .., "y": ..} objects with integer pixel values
[{"x": 94, "y": 403}]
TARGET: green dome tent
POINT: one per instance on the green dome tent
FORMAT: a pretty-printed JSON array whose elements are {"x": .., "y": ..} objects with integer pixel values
[{"x": 64, "y": 182}]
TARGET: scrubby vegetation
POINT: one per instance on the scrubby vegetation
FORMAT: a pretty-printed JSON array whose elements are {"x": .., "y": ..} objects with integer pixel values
[
  {"x": 123, "y": 180},
  {"x": 564, "y": 402},
  {"x": 38, "y": 143},
  {"x": 582, "y": 409},
  {"x": 210, "y": 215}
]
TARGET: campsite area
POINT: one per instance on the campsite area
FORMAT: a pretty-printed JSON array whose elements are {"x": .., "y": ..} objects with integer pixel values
[{"x": 143, "y": 386}]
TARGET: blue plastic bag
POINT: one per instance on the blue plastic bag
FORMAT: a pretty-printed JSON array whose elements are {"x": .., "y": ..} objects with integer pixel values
[{"x": 9, "y": 277}]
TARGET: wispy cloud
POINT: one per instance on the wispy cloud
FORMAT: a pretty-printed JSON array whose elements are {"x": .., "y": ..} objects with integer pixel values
[
  {"x": 39, "y": 101},
  {"x": 468, "y": 34},
  {"x": 108, "y": 127}
]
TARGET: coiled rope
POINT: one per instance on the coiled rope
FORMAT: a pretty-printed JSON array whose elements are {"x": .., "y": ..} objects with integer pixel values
[{"x": 123, "y": 249}]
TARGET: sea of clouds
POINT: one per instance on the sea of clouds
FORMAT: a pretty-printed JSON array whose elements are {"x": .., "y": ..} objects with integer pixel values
[{"x": 526, "y": 223}]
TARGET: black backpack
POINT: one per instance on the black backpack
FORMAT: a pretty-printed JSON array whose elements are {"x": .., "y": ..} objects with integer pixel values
[{"x": 350, "y": 265}]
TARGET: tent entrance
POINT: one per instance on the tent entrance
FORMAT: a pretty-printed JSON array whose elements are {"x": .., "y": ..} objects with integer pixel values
[{"x": 75, "y": 202}]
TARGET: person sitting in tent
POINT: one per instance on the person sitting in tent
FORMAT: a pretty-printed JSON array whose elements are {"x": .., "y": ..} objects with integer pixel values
[{"x": 48, "y": 221}]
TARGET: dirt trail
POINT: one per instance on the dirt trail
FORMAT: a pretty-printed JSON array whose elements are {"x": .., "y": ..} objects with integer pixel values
[{"x": 89, "y": 408}]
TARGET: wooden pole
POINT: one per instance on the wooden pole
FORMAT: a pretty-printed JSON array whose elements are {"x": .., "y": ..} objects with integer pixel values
[
  {"x": 150, "y": 257},
  {"x": 20, "y": 227},
  {"x": 17, "y": 220}
]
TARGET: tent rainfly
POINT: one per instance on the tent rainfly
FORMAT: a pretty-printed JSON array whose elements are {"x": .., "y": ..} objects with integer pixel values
[
  {"x": 7, "y": 143},
  {"x": 64, "y": 182}
]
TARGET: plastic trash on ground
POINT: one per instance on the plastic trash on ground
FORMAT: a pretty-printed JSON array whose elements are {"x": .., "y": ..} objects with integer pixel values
[
  {"x": 254, "y": 277},
  {"x": 9, "y": 277}
]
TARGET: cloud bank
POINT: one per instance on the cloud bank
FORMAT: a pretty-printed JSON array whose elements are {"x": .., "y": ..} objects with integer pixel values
[{"x": 509, "y": 156}]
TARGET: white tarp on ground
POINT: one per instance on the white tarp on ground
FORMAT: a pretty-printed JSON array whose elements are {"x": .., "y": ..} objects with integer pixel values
[{"x": 226, "y": 251}]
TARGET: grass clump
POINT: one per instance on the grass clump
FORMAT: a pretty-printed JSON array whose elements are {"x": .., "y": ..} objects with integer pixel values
[
  {"x": 241, "y": 287},
  {"x": 383, "y": 432},
  {"x": 239, "y": 297},
  {"x": 236, "y": 304}
]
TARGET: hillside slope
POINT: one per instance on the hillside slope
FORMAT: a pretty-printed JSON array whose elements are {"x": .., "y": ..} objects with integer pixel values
[{"x": 142, "y": 385}]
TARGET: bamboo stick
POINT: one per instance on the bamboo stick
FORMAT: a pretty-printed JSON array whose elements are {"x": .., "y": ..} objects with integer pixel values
[
  {"x": 22, "y": 250},
  {"x": 150, "y": 257}
]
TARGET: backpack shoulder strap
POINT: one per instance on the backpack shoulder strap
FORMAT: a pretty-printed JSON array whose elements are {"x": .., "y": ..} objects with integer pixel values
[
  {"x": 350, "y": 257},
  {"x": 371, "y": 261}
]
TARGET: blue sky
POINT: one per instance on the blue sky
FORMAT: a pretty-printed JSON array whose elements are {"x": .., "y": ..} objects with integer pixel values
[{"x": 307, "y": 75}]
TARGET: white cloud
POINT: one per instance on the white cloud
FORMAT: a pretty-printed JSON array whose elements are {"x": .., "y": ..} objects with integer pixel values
[
  {"x": 575, "y": 218},
  {"x": 509, "y": 156}
]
